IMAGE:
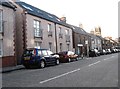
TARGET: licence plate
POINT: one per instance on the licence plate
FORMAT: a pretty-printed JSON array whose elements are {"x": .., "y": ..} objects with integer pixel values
[{"x": 26, "y": 58}]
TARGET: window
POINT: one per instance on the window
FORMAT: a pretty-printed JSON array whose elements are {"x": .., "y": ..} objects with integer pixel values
[
  {"x": 67, "y": 32},
  {"x": 1, "y": 24},
  {"x": 38, "y": 44},
  {"x": 49, "y": 27},
  {"x": 50, "y": 46},
  {"x": 68, "y": 46},
  {"x": 60, "y": 31},
  {"x": 49, "y": 30},
  {"x": 98, "y": 41},
  {"x": 60, "y": 47},
  {"x": 37, "y": 28},
  {"x": 39, "y": 52},
  {"x": 1, "y": 48},
  {"x": 92, "y": 39}
]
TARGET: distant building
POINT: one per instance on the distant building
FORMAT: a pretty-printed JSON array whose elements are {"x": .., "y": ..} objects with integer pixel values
[
  {"x": 110, "y": 42},
  {"x": 108, "y": 38},
  {"x": 96, "y": 42},
  {"x": 80, "y": 40},
  {"x": 97, "y": 31}
]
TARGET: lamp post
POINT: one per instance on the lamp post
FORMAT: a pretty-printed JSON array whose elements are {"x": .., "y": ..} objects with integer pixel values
[{"x": 86, "y": 42}]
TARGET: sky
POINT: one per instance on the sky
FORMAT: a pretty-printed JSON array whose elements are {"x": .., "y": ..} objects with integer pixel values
[{"x": 90, "y": 13}]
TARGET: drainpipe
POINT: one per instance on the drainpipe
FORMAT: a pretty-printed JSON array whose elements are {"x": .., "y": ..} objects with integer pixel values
[
  {"x": 24, "y": 29},
  {"x": 56, "y": 38}
]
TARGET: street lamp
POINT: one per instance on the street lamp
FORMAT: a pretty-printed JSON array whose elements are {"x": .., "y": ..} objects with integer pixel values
[{"x": 86, "y": 42}]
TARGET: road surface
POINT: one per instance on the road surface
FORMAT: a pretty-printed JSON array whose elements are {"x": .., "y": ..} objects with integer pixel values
[{"x": 99, "y": 71}]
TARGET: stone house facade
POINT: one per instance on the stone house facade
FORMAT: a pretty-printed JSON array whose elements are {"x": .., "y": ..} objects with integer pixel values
[
  {"x": 7, "y": 34},
  {"x": 37, "y": 28}
]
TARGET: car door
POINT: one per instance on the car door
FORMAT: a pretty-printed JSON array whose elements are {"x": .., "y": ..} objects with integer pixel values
[
  {"x": 46, "y": 56},
  {"x": 51, "y": 57}
]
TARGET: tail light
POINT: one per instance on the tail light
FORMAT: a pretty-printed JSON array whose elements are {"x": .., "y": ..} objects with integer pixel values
[{"x": 34, "y": 52}]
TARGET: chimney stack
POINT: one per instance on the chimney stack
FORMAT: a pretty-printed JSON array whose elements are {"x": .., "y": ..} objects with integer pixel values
[
  {"x": 15, "y": 0},
  {"x": 81, "y": 26},
  {"x": 63, "y": 19}
]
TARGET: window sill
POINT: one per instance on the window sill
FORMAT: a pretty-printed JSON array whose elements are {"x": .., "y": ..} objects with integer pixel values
[{"x": 37, "y": 36}]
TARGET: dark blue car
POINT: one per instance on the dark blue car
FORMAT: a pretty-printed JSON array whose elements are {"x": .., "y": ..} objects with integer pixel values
[{"x": 34, "y": 57}]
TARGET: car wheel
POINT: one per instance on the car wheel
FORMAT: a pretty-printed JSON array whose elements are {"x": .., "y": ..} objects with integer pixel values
[
  {"x": 42, "y": 64},
  {"x": 77, "y": 59},
  {"x": 57, "y": 62},
  {"x": 69, "y": 60}
]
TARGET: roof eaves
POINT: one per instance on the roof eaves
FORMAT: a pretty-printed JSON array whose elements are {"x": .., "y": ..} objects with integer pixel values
[{"x": 8, "y": 4}]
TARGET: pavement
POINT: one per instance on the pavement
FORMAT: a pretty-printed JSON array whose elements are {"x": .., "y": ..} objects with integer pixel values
[
  {"x": 13, "y": 68},
  {"x": 19, "y": 67}
]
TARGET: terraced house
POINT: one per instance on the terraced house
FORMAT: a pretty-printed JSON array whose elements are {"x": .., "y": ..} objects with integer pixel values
[
  {"x": 7, "y": 34},
  {"x": 96, "y": 42},
  {"x": 37, "y": 28},
  {"x": 81, "y": 40}
]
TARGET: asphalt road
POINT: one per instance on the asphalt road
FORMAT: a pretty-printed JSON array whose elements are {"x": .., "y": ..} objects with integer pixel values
[{"x": 99, "y": 71}]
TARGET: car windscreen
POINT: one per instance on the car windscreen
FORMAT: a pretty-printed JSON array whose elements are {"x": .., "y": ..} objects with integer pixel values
[
  {"x": 70, "y": 53},
  {"x": 28, "y": 52},
  {"x": 44, "y": 52},
  {"x": 49, "y": 52}
]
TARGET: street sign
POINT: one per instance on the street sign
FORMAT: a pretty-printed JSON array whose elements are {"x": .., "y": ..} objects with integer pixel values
[
  {"x": 80, "y": 45},
  {"x": 86, "y": 42}
]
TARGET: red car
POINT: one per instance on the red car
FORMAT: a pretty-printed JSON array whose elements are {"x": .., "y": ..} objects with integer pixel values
[{"x": 67, "y": 56}]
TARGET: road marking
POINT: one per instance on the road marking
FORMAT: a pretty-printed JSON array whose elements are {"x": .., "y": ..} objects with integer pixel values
[
  {"x": 89, "y": 58},
  {"x": 94, "y": 63},
  {"x": 108, "y": 58},
  {"x": 47, "y": 80},
  {"x": 59, "y": 76}
]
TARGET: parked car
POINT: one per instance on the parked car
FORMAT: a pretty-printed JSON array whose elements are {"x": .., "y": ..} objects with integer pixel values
[
  {"x": 92, "y": 53},
  {"x": 117, "y": 50},
  {"x": 67, "y": 56},
  {"x": 112, "y": 50},
  {"x": 97, "y": 52},
  {"x": 102, "y": 52},
  {"x": 108, "y": 51},
  {"x": 34, "y": 57}
]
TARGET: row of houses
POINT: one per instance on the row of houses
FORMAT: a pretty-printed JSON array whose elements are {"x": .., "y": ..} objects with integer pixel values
[{"x": 25, "y": 26}]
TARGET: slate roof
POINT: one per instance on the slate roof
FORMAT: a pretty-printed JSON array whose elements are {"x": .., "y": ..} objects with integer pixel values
[
  {"x": 79, "y": 30},
  {"x": 93, "y": 36},
  {"x": 101, "y": 38},
  {"x": 40, "y": 13},
  {"x": 7, "y": 3}
]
